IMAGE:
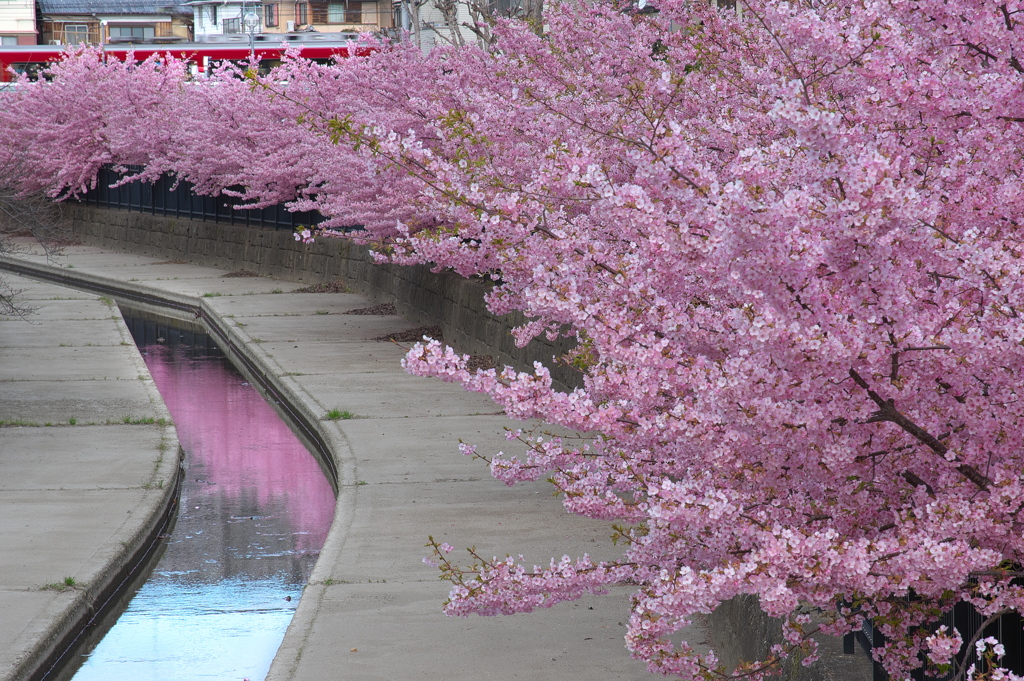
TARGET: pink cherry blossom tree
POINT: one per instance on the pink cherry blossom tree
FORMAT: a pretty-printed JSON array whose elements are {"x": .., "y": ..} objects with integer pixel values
[{"x": 784, "y": 238}]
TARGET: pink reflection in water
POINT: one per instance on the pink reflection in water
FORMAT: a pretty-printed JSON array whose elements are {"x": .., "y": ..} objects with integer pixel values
[
  {"x": 238, "y": 444},
  {"x": 255, "y": 510}
]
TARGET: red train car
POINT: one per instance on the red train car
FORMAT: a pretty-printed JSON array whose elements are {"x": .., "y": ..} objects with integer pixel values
[{"x": 269, "y": 49}]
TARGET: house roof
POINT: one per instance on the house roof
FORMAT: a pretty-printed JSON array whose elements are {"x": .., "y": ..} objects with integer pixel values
[{"x": 113, "y": 7}]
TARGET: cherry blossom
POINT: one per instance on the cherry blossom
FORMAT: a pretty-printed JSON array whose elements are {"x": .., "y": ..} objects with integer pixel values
[{"x": 785, "y": 241}]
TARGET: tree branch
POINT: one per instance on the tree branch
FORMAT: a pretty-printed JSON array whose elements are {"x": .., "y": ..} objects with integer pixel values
[
  {"x": 887, "y": 411},
  {"x": 978, "y": 633},
  {"x": 916, "y": 481}
]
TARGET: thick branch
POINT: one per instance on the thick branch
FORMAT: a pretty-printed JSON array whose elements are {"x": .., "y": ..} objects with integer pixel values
[
  {"x": 1006, "y": 16},
  {"x": 916, "y": 481},
  {"x": 887, "y": 411},
  {"x": 978, "y": 633},
  {"x": 982, "y": 51}
]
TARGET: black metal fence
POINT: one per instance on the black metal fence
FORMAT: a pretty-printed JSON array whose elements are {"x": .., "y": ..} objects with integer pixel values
[
  {"x": 868, "y": 636},
  {"x": 1008, "y": 629},
  {"x": 166, "y": 198}
]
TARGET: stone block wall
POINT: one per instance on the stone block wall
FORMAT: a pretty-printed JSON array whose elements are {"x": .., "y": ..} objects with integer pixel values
[{"x": 444, "y": 299}]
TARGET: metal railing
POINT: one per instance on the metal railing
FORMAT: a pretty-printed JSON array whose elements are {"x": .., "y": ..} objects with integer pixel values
[
  {"x": 868, "y": 637},
  {"x": 166, "y": 198},
  {"x": 1009, "y": 629}
]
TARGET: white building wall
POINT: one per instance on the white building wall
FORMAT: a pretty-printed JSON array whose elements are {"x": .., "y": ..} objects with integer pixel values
[
  {"x": 433, "y": 28},
  {"x": 17, "y": 16},
  {"x": 203, "y": 24}
]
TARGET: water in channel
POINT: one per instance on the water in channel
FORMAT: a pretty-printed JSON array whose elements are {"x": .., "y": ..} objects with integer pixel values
[{"x": 255, "y": 510}]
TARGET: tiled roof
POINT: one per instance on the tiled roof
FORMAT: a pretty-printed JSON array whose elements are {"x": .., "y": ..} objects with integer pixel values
[{"x": 113, "y": 7}]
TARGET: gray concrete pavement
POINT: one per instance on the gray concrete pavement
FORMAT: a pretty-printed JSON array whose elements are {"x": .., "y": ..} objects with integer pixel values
[
  {"x": 372, "y": 609},
  {"x": 80, "y": 488}
]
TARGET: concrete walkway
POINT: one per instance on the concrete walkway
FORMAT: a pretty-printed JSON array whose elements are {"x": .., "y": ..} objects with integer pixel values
[
  {"x": 373, "y": 609},
  {"x": 88, "y": 459}
]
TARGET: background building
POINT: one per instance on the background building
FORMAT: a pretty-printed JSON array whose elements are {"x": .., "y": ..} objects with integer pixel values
[
  {"x": 216, "y": 17},
  {"x": 70, "y": 22},
  {"x": 18, "y": 22}
]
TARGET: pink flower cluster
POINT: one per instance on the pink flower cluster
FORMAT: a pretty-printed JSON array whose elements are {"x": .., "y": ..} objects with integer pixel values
[{"x": 786, "y": 241}]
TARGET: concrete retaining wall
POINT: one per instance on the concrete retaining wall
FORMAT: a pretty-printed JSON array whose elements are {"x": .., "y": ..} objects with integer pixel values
[
  {"x": 454, "y": 303},
  {"x": 740, "y": 630}
]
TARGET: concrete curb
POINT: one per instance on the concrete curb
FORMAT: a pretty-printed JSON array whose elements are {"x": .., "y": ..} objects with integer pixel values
[
  {"x": 98, "y": 599},
  {"x": 137, "y": 293}
]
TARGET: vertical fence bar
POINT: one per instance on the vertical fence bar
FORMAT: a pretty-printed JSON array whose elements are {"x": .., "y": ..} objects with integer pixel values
[{"x": 158, "y": 198}]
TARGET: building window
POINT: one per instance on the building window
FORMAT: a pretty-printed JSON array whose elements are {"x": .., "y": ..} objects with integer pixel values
[
  {"x": 731, "y": 5},
  {"x": 233, "y": 25},
  {"x": 132, "y": 32},
  {"x": 302, "y": 13},
  {"x": 350, "y": 12},
  {"x": 270, "y": 15},
  {"x": 353, "y": 12},
  {"x": 76, "y": 34},
  {"x": 506, "y": 8},
  {"x": 8, "y": 40},
  {"x": 213, "y": 14}
]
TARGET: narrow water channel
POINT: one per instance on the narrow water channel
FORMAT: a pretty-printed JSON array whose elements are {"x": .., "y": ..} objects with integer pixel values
[{"x": 255, "y": 509}]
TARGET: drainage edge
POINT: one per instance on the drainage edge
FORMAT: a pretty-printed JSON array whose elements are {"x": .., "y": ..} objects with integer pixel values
[
  {"x": 95, "y": 610},
  {"x": 239, "y": 352}
]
